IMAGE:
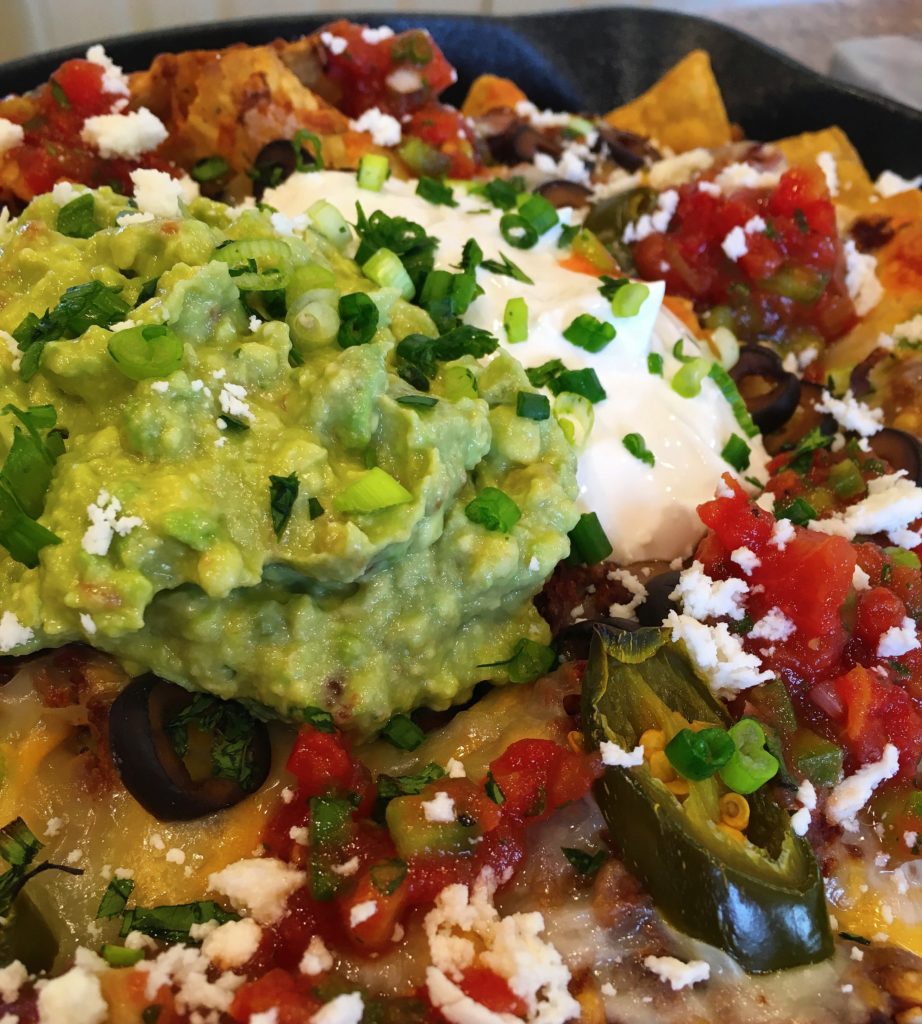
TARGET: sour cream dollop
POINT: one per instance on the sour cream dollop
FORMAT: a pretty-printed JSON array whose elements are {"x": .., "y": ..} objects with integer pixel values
[{"x": 647, "y": 511}]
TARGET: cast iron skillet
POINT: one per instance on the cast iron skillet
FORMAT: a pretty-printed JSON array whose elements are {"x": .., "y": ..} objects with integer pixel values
[{"x": 582, "y": 60}]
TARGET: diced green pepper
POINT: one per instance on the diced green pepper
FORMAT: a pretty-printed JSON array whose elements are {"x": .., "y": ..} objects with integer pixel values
[
  {"x": 774, "y": 705},
  {"x": 846, "y": 479},
  {"x": 329, "y": 830},
  {"x": 762, "y": 900},
  {"x": 414, "y": 834},
  {"x": 816, "y": 758}
]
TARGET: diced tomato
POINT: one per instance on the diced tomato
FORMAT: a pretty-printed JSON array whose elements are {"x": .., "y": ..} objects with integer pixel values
[
  {"x": 879, "y": 609},
  {"x": 449, "y": 133},
  {"x": 288, "y": 995},
  {"x": 490, "y": 990},
  {"x": 81, "y": 83},
  {"x": 320, "y": 762},
  {"x": 375, "y": 886},
  {"x": 538, "y": 776}
]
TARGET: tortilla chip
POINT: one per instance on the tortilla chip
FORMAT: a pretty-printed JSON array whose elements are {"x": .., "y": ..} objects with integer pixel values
[
  {"x": 854, "y": 185},
  {"x": 683, "y": 110},
  {"x": 489, "y": 92}
]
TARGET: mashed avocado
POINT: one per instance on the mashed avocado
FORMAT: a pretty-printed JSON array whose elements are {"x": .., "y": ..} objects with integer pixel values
[{"x": 179, "y": 547}]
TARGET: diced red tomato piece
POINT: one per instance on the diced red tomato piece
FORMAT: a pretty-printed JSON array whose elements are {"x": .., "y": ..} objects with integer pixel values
[
  {"x": 538, "y": 776},
  {"x": 290, "y": 996},
  {"x": 490, "y": 990}
]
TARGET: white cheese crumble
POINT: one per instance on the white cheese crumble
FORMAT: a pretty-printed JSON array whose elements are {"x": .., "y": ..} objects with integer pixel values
[
  {"x": 105, "y": 523},
  {"x": 860, "y": 579},
  {"x": 676, "y": 972},
  {"x": 704, "y": 598},
  {"x": 774, "y": 625},
  {"x": 124, "y": 135},
  {"x": 464, "y": 927},
  {"x": 889, "y": 183},
  {"x": 736, "y": 176},
  {"x": 383, "y": 129},
  {"x": 899, "y": 640},
  {"x": 12, "y": 978},
  {"x": 231, "y": 398},
  {"x": 335, "y": 44},
  {"x": 11, "y": 134},
  {"x": 851, "y": 794},
  {"x": 542, "y": 118},
  {"x": 347, "y": 869},
  {"x": 852, "y": 414},
  {"x": 861, "y": 278},
  {"x": 718, "y": 655},
  {"x": 746, "y": 559},
  {"x": 659, "y": 220},
  {"x": 710, "y": 188},
  {"x": 175, "y": 856},
  {"x": 782, "y": 532},
  {"x": 234, "y": 943},
  {"x": 186, "y": 970},
  {"x": 910, "y": 331},
  {"x": 159, "y": 194},
  {"x": 114, "y": 80},
  {"x": 634, "y": 587},
  {"x": 827, "y": 164},
  {"x": 573, "y": 164},
  {"x": 317, "y": 957},
  {"x": 53, "y": 826},
  {"x": 13, "y": 633},
  {"x": 64, "y": 193},
  {"x": 454, "y": 769},
  {"x": 891, "y": 504},
  {"x": 345, "y": 1009},
  {"x": 800, "y": 819},
  {"x": 73, "y": 998},
  {"x": 87, "y": 624},
  {"x": 376, "y": 35},
  {"x": 440, "y": 809},
  {"x": 734, "y": 244},
  {"x": 260, "y": 885},
  {"x": 617, "y": 757},
  {"x": 361, "y": 912}
]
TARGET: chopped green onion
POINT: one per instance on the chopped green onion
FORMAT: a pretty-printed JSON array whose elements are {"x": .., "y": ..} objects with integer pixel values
[
  {"x": 541, "y": 376},
  {"x": 580, "y": 126},
  {"x": 678, "y": 352},
  {"x": 315, "y": 163},
  {"x": 737, "y": 453},
  {"x": 751, "y": 765},
  {"x": 730, "y": 391},
  {"x": 374, "y": 170},
  {"x": 58, "y": 94},
  {"x": 330, "y": 223},
  {"x": 458, "y": 382},
  {"x": 210, "y": 168},
  {"x": 147, "y": 350},
  {"x": 799, "y": 511},
  {"x": 29, "y": 464},
  {"x": 120, "y": 956},
  {"x": 567, "y": 233},
  {"x": 531, "y": 406},
  {"x": 728, "y": 348},
  {"x": 688, "y": 378},
  {"x": 283, "y": 491},
  {"x": 494, "y": 510},
  {"x": 699, "y": 755},
  {"x": 358, "y": 319},
  {"x": 588, "y": 333},
  {"x": 372, "y": 491},
  {"x": 317, "y": 718},
  {"x": 419, "y": 401},
  {"x": 528, "y": 662},
  {"x": 517, "y": 231},
  {"x": 77, "y": 219},
  {"x": 515, "y": 320},
  {"x": 403, "y": 733},
  {"x": 583, "y": 862},
  {"x": 588, "y": 541},
  {"x": 315, "y": 323},
  {"x": 541, "y": 214},
  {"x": 579, "y": 382},
  {"x": 405, "y": 238},
  {"x": 257, "y": 264},
  {"x": 628, "y": 300},
  {"x": 636, "y": 445},
  {"x": 435, "y": 192},
  {"x": 506, "y": 268},
  {"x": 385, "y": 269},
  {"x": 503, "y": 193},
  {"x": 610, "y": 286},
  {"x": 576, "y": 417},
  {"x": 418, "y": 355},
  {"x": 655, "y": 364},
  {"x": 471, "y": 256},
  {"x": 148, "y": 290}
]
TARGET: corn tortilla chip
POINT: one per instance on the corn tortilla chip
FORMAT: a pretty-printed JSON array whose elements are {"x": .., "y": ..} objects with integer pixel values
[
  {"x": 489, "y": 92},
  {"x": 854, "y": 184}
]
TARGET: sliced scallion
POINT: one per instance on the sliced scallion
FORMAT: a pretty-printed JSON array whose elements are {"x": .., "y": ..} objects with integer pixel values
[
  {"x": 257, "y": 264},
  {"x": 358, "y": 319},
  {"x": 385, "y": 269},
  {"x": 532, "y": 406},
  {"x": 576, "y": 417},
  {"x": 580, "y": 382},
  {"x": 435, "y": 192},
  {"x": 588, "y": 541},
  {"x": 655, "y": 364},
  {"x": 730, "y": 391},
  {"x": 586, "y": 332},
  {"x": 403, "y": 733},
  {"x": 330, "y": 223},
  {"x": 494, "y": 510},
  {"x": 688, "y": 378},
  {"x": 515, "y": 320},
  {"x": 147, "y": 350},
  {"x": 517, "y": 231},
  {"x": 737, "y": 453},
  {"x": 372, "y": 491},
  {"x": 541, "y": 214},
  {"x": 628, "y": 300},
  {"x": 637, "y": 446},
  {"x": 374, "y": 170}
]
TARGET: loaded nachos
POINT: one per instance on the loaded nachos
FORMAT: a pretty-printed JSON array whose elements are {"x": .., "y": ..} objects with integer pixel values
[{"x": 458, "y": 565}]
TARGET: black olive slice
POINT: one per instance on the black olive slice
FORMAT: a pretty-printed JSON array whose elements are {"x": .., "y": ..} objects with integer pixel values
[
  {"x": 901, "y": 450},
  {"x": 624, "y": 148},
  {"x": 153, "y": 772},
  {"x": 572, "y": 642},
  {"x": 520, "y": 143},
  {"x": 769, "y": 409},
  {"x": 657, "y": 605},
  {"x": 565, "y": 193},
  {"x": 277, "y": 161}
]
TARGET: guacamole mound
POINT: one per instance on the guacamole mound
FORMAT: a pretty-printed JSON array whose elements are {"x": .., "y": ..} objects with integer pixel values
[{"x": 176, "y": 551}]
